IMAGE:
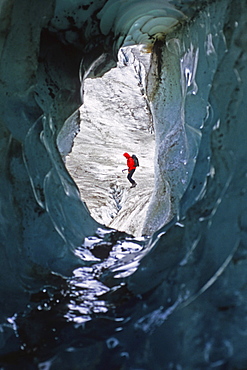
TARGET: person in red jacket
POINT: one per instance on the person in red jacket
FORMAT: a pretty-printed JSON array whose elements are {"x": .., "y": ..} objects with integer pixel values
[{"x": 131, "y": 169}]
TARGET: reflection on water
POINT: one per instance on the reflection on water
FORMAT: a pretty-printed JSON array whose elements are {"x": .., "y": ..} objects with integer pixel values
[
  {"x": 88, "y": 309},
  {"x": 113, "y": 257}
]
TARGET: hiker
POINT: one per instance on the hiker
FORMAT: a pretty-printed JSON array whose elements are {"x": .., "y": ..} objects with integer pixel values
[{"x": 131, "y": 169}]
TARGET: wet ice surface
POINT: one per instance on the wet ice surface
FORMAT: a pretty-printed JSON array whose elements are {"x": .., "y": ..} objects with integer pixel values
[
  {"x": 111, "y": 254},
  {"x": 114, "y": 119},
  {"x": 57, "y": 323}
]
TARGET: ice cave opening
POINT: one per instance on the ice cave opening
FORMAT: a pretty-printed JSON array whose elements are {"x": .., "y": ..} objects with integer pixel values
[
  {"x": 138, "y": 109},
  {"x": 115, "y": 118}
]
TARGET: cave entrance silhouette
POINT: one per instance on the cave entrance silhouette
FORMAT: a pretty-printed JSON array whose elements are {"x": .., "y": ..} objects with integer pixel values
[{"x": 115, "y": 118}]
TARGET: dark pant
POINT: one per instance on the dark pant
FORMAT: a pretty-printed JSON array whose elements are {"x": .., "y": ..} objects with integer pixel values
[{"x": 129, "y": 177}]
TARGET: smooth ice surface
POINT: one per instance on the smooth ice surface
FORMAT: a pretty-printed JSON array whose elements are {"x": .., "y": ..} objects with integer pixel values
[{"x": 74, "y": 292}]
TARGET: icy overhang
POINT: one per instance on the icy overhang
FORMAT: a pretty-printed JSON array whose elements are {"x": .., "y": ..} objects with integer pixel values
[
  {"x": 138, "y": 22},
  {"x": 115, "y": 23}
]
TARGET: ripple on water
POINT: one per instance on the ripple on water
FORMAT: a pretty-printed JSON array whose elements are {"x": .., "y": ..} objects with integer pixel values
[{"x": 113, "y": 257}]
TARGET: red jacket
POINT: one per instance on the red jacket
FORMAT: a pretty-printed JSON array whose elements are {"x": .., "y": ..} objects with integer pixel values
[{"x": 130, "y": 162}]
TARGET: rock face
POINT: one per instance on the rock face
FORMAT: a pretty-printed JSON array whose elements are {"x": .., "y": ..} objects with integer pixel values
[
  {"x": 73, "y": 291},
  {"x": 115, "y": 119}
]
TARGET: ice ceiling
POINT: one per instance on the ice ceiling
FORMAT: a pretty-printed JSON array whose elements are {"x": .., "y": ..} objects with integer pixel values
[{"x": 186, "y": 299}]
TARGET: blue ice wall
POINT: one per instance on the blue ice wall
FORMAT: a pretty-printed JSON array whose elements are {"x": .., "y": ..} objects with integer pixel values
[
  {"x": 198, "y": 262},
  {"x": 184, "y": 307},
  {"x": 42, "y": 216}
]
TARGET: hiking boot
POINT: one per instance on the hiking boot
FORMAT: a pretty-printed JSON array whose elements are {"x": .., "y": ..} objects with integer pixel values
[{"x": 133, "y": 185}]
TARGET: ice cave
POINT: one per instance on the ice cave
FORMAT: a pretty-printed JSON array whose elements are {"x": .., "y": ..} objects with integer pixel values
[{"x": 76, "y": 294}]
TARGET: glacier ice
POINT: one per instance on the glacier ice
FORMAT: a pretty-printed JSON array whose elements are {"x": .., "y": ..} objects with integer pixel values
[
  {"x": 183, "y": 305},
  {"x": 96, "y": 161}
]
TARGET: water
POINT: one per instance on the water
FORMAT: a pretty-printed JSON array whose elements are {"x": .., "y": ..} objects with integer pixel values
[{"x": 62, "y": 324}]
